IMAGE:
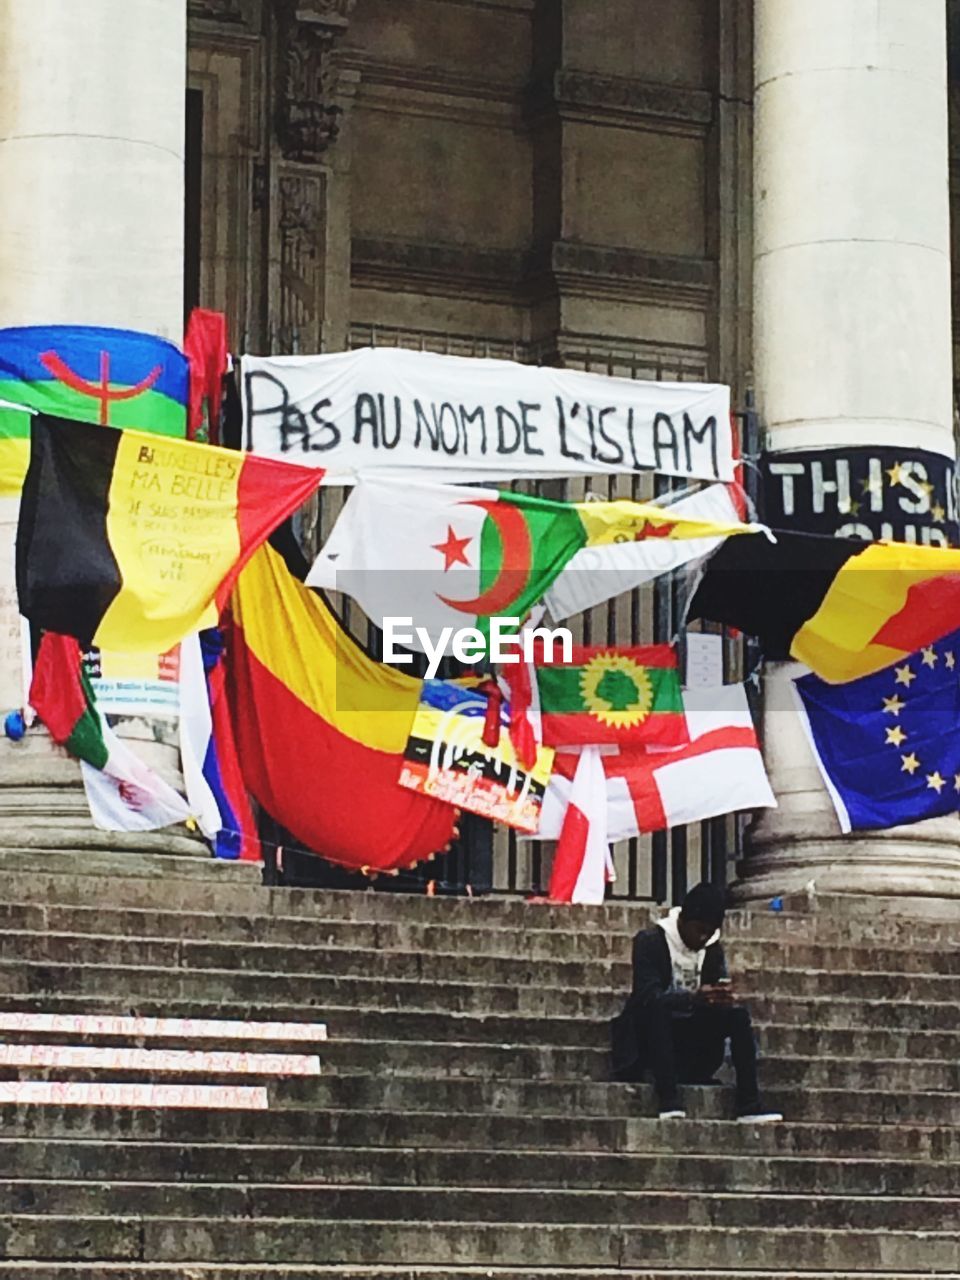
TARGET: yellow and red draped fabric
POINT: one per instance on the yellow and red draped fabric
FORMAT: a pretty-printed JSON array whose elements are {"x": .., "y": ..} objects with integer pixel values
[
  {"x": 885, "y": 603},
  {"x": 130, "y": 542},
  {"x": 844, "y": 607},
  {"x": 321, "y": 728}
]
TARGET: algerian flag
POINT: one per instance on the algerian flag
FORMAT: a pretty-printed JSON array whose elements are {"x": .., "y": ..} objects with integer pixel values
[{"x": 450, "y": 556}]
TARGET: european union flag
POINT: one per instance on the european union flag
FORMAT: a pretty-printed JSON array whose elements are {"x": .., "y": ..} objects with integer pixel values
[{"x": 888, "y": 745}]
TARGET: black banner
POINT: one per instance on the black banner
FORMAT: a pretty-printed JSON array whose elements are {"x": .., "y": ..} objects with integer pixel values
[{"x": 899, "y": 495}]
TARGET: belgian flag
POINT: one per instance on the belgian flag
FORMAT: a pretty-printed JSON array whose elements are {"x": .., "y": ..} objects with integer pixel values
[
  {"x": 130, "y": 541},
  {"x": 844, "y": 607}
]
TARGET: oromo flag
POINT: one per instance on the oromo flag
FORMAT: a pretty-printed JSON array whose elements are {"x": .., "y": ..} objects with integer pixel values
[{"x": 115, "y": 377}]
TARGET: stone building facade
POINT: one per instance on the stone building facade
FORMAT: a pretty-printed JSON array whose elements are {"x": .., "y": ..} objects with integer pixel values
[{"x": 561, "y": 181}]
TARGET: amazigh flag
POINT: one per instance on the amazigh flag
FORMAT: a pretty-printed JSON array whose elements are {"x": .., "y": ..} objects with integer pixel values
[
  {"x": 719, "y": 771},
  {"x": 129, "y": 542},
  {"x": 843, "y": 607},
  {"x": 321, "y": 728},
  {"x": 123, "y": 793},
  {"x": 455, "y": 557},
  {"x": 605, "y": 694},
  {"x": 14, "y": 448},
  {"x": 115, "y": 377}
]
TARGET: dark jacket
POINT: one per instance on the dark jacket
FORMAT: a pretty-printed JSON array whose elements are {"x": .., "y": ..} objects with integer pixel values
[{"x": 652, "y": 980}]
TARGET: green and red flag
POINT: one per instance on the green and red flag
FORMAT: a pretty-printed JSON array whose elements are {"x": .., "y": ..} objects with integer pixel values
[
  {"x": 115, "y": 377},
  {"x": 628, "y": 696},
  {"x": 62, "y": 696},
  {"x": 449, "y": 556},
  {"x": 123, "y": 793}
]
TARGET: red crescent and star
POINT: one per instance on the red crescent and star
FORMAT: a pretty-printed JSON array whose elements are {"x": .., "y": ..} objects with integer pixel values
[
  {"x": 453, "y": 550},
  {"x": 514, "y": 572}
]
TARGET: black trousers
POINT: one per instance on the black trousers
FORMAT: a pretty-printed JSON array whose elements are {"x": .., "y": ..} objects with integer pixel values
[{"x": 689, "y": 1048}]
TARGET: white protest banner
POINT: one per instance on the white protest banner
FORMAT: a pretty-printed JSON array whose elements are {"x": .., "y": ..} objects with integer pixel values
[{"x": 382, "y": 410}]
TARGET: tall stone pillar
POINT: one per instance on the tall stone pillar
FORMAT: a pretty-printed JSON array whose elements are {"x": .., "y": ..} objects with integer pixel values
[
  {"x": 92, "y": 101},
  {"x": 853, "y": 358},
  {"x": 91, "y": 161}
]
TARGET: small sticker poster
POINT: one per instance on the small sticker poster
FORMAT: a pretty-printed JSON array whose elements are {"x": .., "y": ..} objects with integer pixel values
[
  {"x": 136, "y": 684},
  {"x": 446, "y": 758}
]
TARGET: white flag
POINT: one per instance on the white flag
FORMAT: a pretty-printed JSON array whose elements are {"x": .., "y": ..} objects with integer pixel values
[{"x": 719, "y": 771}]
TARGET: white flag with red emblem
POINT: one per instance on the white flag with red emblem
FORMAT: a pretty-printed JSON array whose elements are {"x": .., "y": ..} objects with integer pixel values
[{"x": 719, "y": 771}]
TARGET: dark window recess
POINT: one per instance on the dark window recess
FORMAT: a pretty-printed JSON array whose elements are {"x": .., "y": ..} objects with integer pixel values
[{"x": 193, "y": 200}]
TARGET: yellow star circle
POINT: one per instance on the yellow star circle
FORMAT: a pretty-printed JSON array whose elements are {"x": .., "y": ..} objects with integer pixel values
[{"x": 598, "y": 673}]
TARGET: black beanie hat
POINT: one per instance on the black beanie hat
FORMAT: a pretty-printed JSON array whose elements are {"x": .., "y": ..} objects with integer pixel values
[{"x": 705, "y": 902}]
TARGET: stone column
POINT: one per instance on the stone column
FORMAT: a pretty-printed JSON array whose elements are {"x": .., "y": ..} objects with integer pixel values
[
  {"x": 91, "y": 232},
  {"x": 853, "y": 341},
  {"x": 91, "y": 160}
]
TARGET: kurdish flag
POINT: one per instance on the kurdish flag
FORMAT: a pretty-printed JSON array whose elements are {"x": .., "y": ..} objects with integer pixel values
[
  {"x": 116, "y": 377},
  {"x": 607, "y": 695},
  {"x": 129, "y": 542},
  {"x": 448, "y": 556}
]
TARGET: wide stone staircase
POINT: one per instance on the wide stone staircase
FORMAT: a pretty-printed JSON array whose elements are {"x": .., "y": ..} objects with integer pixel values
[{"x": 459, "y": 1122}]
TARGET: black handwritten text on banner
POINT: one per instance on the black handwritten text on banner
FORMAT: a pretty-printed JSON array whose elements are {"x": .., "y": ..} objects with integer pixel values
[{"x": 388, "y": 409}]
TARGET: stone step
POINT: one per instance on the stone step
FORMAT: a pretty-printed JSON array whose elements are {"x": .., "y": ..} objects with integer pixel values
[
  {"x": 438, "y": 1059},
  {"x": 477, "y": 1204},
  {"x": 21, "y": 1061},
  {"x": 486, "y": 916},
  {"x": 196, "y": 1239},
  {"x": 311, "y": 1127},
  {"x": 431, "y": 1025},
  {"x": 546, "y": 1096},
  {"x": 364, "y": 1000},
  {"x": 535, "y": 1062},
  {"x": 458, "y": 1271},
  {"x": 133, "y": 1161},
  {"x": 824, "y": 1104},
  {"x": 789, "y": 970}
]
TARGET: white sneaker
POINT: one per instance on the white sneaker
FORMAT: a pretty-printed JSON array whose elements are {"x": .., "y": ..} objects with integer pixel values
[
  {"x": 673, "y": 1115},
  {"x": 761, "y": 1117}
]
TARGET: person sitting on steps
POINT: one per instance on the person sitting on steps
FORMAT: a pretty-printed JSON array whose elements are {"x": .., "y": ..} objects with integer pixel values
[{"x": 682, "y": 1011}]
